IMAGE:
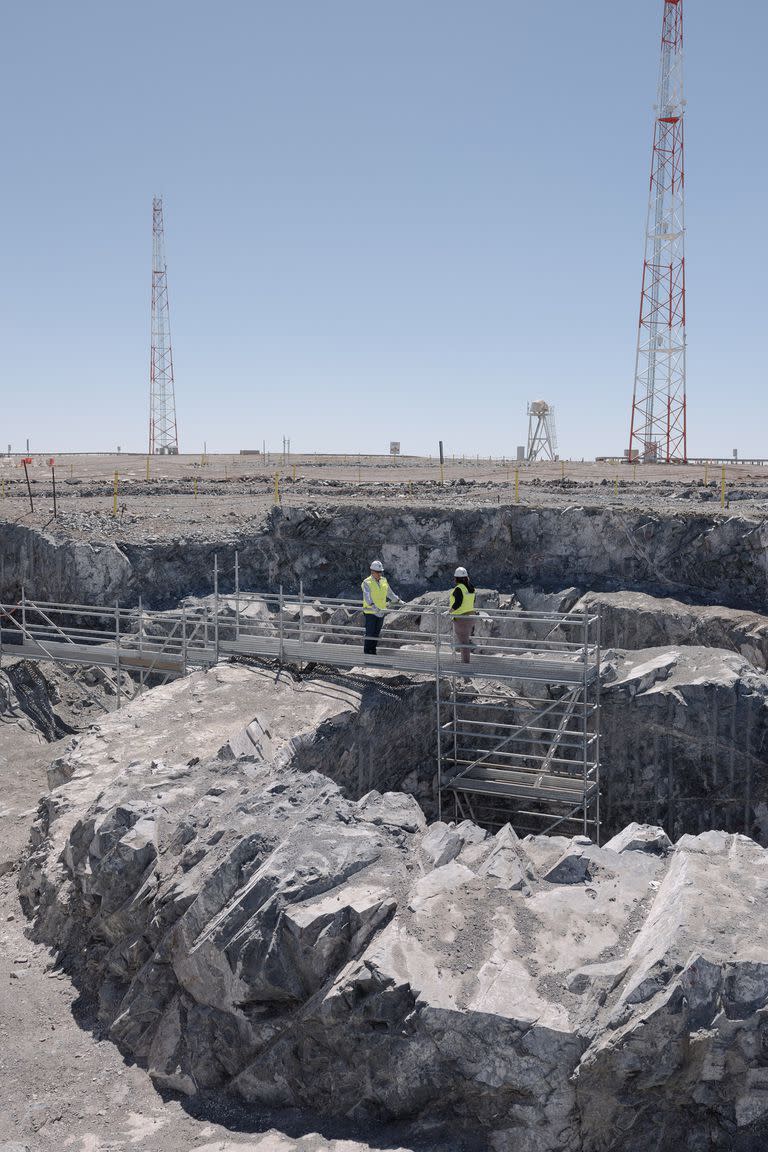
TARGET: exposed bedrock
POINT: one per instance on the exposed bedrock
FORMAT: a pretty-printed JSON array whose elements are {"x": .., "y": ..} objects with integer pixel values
[
  {"x": 636, "y": 620},
  {"x": 250, "y": 930},
  {"x": 703, "y": 558},
  {"x": 66, "y": 571},
  {"x": 685, "y": 741}
]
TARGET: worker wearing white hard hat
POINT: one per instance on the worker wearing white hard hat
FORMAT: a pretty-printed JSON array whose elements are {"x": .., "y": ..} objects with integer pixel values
[
  {"x": 462, "y": 609},
  {"x": 377, "y": 594}
]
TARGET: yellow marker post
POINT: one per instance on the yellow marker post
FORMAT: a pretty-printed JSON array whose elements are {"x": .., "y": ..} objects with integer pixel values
[
  {"x": 517, "y": 485},
  {"x": 194, "y": 486},
  {"x": 114, "y": 498},
  {"x": 277, "y": 487},
  {"x": 722, "y": 490}
]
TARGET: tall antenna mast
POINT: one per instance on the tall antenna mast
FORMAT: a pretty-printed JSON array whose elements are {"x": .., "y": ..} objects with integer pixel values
[
  {"x": 163, "y": 436},
  {"x": 658, "y": 425}
]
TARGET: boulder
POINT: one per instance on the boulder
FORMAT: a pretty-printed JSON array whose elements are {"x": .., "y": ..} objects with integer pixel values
[{"x": 640, "y": 838}]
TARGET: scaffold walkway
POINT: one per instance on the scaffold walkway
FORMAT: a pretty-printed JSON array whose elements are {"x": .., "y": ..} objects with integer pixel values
[{"x": 517, "y": 729}]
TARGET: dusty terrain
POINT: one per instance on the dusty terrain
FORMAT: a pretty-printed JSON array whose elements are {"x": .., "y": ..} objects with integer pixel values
[{"x": 185, "y": 493}]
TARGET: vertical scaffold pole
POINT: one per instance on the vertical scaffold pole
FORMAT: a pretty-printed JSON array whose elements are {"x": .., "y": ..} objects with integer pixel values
[
  {"x": 301, "y": 615},
  {"x": 280, "y": 610},
  {"x": 585, "y": 717},
  {"x": 237, "y": 595},
  {"x": 23, "y": 612},
  {"x": 438, "y": 717},
  {"x": 597, "y": 725},
  {"x": 184, "y": 636},
  {"x": 216, "y": 606},
  {"x": 141, "y": 666},
  {"x": 117, "y": 649}
]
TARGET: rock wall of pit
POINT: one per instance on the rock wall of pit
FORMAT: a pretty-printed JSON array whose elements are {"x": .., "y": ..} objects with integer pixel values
[
  {"x": 250, "y": 931},
  {"x": 706, "y": 559}
]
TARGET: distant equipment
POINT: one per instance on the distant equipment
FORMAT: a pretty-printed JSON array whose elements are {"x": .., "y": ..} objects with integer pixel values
[
  {"x": 542, "y": 436},
  {"x": 657, "y": 430},
  {"x": 163, "y": 435}
]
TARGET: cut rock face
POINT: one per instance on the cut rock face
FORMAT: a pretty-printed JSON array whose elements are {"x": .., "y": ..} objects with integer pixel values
[
  {"x": 636, "y": 620},
  {"x": 250, "y": 930},
  {"x": 684, "y": 737}
]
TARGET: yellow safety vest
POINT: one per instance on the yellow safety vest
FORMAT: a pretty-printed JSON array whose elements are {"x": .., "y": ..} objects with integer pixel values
[
  {"x": 467, "y": 605},
  {"x": 378, "y": 590}
]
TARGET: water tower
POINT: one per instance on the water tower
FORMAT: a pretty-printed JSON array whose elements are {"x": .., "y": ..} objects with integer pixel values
[{"x": 542, "y": 437}]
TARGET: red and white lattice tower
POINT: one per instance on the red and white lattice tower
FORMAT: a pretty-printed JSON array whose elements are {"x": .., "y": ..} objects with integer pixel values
[
  {"x": 658, "y": 425},
  {"x": 163, "y": 436}
]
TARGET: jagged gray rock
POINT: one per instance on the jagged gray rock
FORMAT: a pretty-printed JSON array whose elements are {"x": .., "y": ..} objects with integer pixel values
[
  {"x": 640, "y": 838},
  {"x": 248, "y": 929},
  {"x": 637, "y": 620},
  {"x": 706, "y": 557},
  {"x": 684, "y": 738}
]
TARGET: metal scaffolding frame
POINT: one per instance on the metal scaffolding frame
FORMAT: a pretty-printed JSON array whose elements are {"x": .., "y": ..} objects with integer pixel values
[
  {"x": 517, "y": 730},
  {"x": 529, "y": 758}
]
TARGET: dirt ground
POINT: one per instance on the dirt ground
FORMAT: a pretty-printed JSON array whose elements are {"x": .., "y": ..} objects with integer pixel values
[{"x": 184, "y": 495}]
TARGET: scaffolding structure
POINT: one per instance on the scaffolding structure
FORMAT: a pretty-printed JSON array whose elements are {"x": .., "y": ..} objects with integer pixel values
[
  {"x": 530, "y": 757},
  {"x": 517, "y": 730}
]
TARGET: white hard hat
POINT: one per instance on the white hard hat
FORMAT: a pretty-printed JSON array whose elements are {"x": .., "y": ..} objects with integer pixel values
[
  {"x": 461, "y": 572},
  {"x": 377, "y": 566}
]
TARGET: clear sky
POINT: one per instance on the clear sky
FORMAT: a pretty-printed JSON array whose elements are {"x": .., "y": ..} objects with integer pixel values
[{"x": 396, "y": 220}]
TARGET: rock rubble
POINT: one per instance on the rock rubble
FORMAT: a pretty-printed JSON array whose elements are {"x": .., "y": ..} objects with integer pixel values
[{"x": 250, "y": 930}]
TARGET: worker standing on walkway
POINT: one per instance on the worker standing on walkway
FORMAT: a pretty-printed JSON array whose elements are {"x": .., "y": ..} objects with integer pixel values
[
  {"x": 462, "y": 607},
  {"x": 376, "y": 593}
]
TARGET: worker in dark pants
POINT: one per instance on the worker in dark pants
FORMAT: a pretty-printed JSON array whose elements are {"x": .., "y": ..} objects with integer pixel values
[
  {"x": 376, "y": 593},
  {"x": 462, "y": 608}
]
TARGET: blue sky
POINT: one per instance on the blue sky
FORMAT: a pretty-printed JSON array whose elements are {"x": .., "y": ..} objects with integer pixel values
[{"x": 383, "y": 221}]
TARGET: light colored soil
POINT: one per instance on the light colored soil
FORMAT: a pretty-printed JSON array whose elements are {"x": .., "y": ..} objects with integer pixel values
[{"x": 188, "y": 498}]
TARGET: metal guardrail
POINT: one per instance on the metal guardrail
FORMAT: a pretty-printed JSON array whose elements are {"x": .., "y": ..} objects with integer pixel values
[{"x": 537, "y": 740}]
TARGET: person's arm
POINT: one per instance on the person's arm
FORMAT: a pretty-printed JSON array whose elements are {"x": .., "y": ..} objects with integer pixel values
[
  {"x": 391, "y": 595},
  {"x": 457, "y": 598}
]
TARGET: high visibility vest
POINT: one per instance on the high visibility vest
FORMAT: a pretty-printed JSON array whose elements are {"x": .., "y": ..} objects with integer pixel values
[
  {"x": 467, "y": 605},
  {"x": 378, "y": 590}
]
